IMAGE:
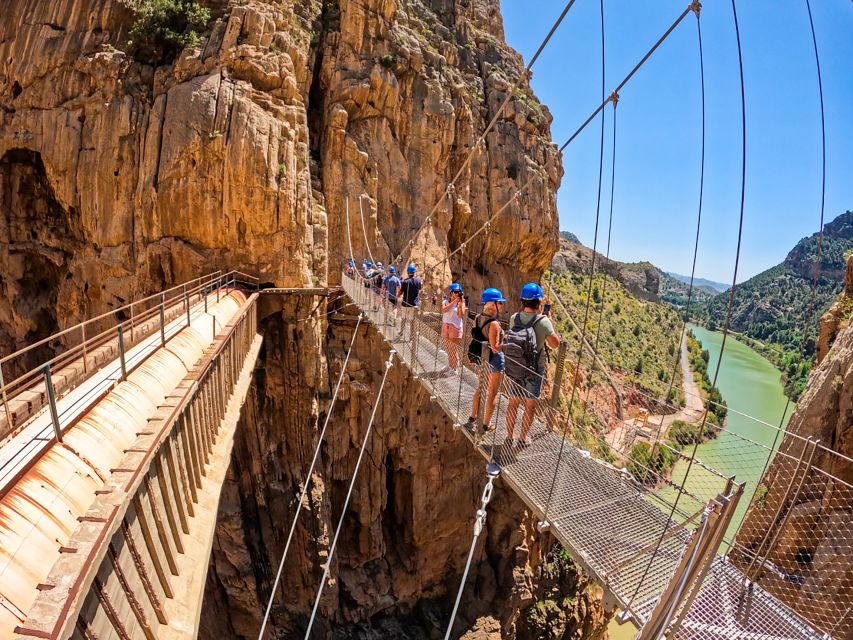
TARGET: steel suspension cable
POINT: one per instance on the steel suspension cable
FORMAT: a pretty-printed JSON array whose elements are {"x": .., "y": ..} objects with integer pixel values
[
  {"x": 493, "y": 472},
  {"x": 307, "y": 480},
  {"x": 491, "y": 124},
  {"x": 693, "y": 6},
  {"x": 606, "y": 257},
  {"x": 364, "y": 229},
  {"x": 591, "y": 278},
  {"x": 815, "y": 277},
  {"x": 330, "y": 557},
  {"x": 734, "y": 281}
]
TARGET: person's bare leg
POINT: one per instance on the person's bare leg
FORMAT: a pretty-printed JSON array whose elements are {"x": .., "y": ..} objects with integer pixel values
[
  {"x": 453, "y": 352},
  {"x": 527, "y": 420},
  {"x": 511, "y": 414},
  {"x": 475, "y": 401},
  {"x": 494, "y": 385}
]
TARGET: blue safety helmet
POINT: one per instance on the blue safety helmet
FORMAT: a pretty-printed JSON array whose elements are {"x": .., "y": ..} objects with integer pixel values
[
  {"x": 392, "y": 270},
  {"x": 351, "y": 263},
  {"x": 492, "y": 295},
  {"x": 369, "y": 263},
  {"x": 411, "y": 268},
  {"x": 532, "y": 291},
  {"x": 456, "y": 287}
]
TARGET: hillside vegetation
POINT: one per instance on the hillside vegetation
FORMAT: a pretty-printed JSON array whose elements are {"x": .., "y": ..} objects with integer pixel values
[
  {"x": 675, "y": 291},
  {"x": 770, "y": 310},
  {"x": 637, "y": 338}
]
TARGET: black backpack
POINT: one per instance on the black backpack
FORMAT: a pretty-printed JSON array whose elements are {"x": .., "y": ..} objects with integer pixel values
[
  {"x": 519, "y": 347},
  {"x": 478, "y": 339}
]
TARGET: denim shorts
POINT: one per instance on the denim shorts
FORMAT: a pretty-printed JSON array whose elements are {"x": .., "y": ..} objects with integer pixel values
[
  {"x": 496, "y": 363},
  {"x": 529, "y": 388}
]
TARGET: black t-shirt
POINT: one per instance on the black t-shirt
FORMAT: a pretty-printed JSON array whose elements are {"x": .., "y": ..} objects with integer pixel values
[{"x": 411, "y": 290}]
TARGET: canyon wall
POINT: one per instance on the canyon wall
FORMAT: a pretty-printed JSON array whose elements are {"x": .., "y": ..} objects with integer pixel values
[{"x": 292, "y": 131}]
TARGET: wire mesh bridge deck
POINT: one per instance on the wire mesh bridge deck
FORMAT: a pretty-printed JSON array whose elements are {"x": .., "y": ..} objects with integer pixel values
[{"x": 618, "y": 529}]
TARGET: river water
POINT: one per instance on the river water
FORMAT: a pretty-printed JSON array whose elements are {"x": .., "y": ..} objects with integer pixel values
[{"x": 751, "y": 385}]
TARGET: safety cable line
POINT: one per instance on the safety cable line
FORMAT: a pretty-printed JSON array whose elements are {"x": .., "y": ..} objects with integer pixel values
[
  {"x": 510, "y": 94},
  {"x": 606, "y": 257},
  {"x": 307, "y": 482},
  {"x": 388, "y": 364},
  {"x": 678, "y": 351},
  {"x": 734, "y": 277},
  {"x": 479, "y": 522},
  {"x": 693, "y": 6},
  {"x": 576, "y": 376},
  {"x": 817, "y": 264}
]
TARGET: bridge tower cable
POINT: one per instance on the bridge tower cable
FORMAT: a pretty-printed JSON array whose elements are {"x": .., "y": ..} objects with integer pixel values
[
  {"x": 482, "y": 137},
  {"x": 569, "y": 420},
  {"x": 307, "y": 481},
  {"x": 809, "y": 320},
  {"x": 614, "y": 102},
  {"x": 729, "y": 311},
  {"x": 388, "y": 364}
]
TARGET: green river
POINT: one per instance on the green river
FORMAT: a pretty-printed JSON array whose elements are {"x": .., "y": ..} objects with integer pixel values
[{"x": 751, "y": 385}]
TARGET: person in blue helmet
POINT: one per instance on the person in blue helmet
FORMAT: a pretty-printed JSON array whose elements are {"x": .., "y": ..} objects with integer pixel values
[
  {"x": 486, "y": 353},
  {"x": 350, "y": 268},
  {"x": 391, "y": 286},
  {"x": 453, "y": 312},
  {"x": 410, "y": 300},
  {"x": 528, "y": 334}
]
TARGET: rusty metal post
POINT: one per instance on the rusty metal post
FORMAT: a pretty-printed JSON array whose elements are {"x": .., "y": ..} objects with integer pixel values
[
  {"x": 205, "y": 306},
  {"x": 5, "y": 399},
  {"x": 131, "y": 323},
  {"x": 162, "y": 325},
  {"x": 51, "y": 401},
  {"x": 558, "y": 374},
  {"x": 218, "y": 287},
  {"x": 121, "y": 352},
  {"x": 83, "y": 342},
  {"x": 187, "y": 305}
]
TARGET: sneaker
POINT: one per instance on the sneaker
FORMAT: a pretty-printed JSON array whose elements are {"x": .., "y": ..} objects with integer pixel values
[
  {"x": 522, "y": 445},
  {"x": 509, "y": 443},
  {"x": 472, "y": 420},
  {"x": 488, "y": 428}
]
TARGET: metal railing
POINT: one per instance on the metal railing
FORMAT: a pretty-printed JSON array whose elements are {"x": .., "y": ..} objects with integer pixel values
[{"x": 73, "y": 354}]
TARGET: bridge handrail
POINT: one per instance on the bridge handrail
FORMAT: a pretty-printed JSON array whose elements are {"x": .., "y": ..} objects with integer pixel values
[{"x": 164, "y": 304}]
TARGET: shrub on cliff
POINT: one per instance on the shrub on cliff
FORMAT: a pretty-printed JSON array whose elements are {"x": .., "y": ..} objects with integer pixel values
[{"x": 163, "y": 28}]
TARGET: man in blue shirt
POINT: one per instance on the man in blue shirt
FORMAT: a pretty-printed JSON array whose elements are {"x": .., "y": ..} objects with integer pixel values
[{"x": 409, "y": 299}]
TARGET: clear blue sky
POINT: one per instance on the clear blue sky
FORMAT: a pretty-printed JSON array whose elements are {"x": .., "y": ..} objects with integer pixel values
[{"x": 657, "y": 163}]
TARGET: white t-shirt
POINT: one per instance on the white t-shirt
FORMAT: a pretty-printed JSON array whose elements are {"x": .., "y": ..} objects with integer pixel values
[{"x": 451, "y": 316}]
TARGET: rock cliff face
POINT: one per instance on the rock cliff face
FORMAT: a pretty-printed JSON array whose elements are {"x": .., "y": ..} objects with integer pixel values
[
  {"x": 117, "y": 179},
  {"x": 814, "y": 540}
]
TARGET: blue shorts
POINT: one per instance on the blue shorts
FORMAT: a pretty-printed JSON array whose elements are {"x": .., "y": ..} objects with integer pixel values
[
  {"x": 496, "y": 363},
  {"x": 530, "y": 388}
]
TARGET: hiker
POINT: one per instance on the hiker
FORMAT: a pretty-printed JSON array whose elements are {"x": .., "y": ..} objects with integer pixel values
[
  {"x": 524, "y": 347},
  {"x": 376, "y": 285},
  {"x": 350, "y": 271},
  {"x": 486, "y": 353},
  {"x": 453, "y": 313},
  {"x": 410, "y": 300},
  {"x": 390, "y": 291}
]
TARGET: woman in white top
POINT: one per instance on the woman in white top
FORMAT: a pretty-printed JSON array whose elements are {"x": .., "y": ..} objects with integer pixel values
[{"x": 453, "y": 312}]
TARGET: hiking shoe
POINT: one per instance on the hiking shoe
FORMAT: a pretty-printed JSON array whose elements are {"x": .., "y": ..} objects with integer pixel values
[
  {"x": 522, "y": 445},
  {"x": 509, "y": 443}
]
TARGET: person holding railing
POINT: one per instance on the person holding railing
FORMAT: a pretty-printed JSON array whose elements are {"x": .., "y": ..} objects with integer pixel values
[
  {"x": 524, "y": 345},
  {"x": 453, "y": 312},
  {"x": 485, "y": 352}
]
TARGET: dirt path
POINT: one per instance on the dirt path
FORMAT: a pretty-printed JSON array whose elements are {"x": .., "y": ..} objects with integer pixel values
[{"x": 692, "y": 411}]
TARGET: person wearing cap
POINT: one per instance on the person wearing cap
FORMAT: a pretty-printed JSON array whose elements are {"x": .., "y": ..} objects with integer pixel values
[
  {"x": 453, "y": 312},
  {"x": 409, "y": 301},
  {"x": 490, "y": 365},
  {"x": 529, "y": 388},
  {"x": 350, "y": 268}
]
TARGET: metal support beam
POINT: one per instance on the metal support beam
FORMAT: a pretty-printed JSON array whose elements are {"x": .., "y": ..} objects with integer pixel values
[
  {"x": 162, "y": 325},
  {"x": 51, "y": 401},
  {"x": 5, "y": 399},
  {"x": 121, "y": 351}
]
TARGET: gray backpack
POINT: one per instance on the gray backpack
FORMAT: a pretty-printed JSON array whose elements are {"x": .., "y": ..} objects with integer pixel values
[{"x": 519, "y": 347}]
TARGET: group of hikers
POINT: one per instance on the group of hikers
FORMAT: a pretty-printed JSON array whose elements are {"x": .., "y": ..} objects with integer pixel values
[{"x": 517, "y": 353}]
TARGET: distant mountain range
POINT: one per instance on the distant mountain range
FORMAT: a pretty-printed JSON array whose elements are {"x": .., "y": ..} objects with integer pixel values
[
  {"x": 642, "y": 279},
  {"x": 773, "y": 306},
  {"x": 718, "y": 287}
]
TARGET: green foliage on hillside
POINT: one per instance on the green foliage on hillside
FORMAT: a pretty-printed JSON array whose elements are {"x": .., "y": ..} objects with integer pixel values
[
  {"x": 637, "y": 338},
  {"x": 699, "y": 358},
  {"x": 772, "y": 309},
  {"x": 163, "y": 28},
  {"x": 675, "y": 292}
]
